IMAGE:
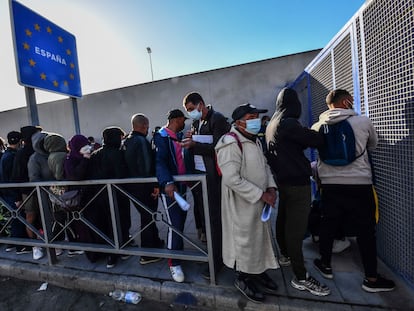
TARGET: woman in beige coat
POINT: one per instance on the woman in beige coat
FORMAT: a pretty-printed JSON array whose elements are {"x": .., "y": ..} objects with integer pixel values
[{"x": 247, "y": 184}]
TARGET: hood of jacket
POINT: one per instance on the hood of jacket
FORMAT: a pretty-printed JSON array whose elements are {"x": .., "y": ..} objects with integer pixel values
[
  {"x": 288, "y": 104},
  {"x": 113, "y": 137},
  {"x": 54, "y": 143},
  {"x": 75, "y": 144},
  {"x": 335, "y": 115},
  {"x": 38, "y": 143}
]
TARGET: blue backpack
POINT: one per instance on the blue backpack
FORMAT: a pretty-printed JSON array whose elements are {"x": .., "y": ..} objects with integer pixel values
[{"x": 339, "y": 144}]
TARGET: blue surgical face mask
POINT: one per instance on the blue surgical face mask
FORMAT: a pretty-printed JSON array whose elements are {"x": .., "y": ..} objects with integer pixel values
[
  {"x": 195, "y": 114},
  {"x": 253, "y": 126}
]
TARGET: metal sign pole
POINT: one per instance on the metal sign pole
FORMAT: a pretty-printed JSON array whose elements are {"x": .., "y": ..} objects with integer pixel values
[
  {"x": 75, "y": 114},
  {"x": 31, "y": 105}
]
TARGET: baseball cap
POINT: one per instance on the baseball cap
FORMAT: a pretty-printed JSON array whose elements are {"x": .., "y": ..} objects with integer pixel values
[
  {"x": 175, "y": 113},
  {"x": 244, "y": 109},
  {"x": 14, "y": 137}
]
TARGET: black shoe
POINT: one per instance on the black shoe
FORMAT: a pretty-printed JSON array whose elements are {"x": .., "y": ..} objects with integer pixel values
[
  {"x": 206, "y": 273},
  {"x": 111, "y": 262},
  {"x": 323, "y": 269},
  {"x": 380, "y": 285},
  {"x": 23, "y": 250},
  {"x": 269, "y": 286},
  {"x": 247, "y": 287},
  {"x": 146, "y": 260}
]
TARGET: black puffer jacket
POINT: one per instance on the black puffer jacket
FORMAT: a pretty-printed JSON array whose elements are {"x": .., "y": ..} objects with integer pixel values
[{"x": 287, "y": 139}]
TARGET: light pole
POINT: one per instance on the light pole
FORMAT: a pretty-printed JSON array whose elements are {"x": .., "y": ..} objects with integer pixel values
[{"x": 149, "y": 53}]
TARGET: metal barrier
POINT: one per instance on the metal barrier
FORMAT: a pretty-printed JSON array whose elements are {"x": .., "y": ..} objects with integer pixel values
[{"x": 46, "y": 239}]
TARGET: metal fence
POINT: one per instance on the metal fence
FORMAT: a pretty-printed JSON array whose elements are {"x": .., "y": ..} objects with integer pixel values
[
  {"x": 47, "y": 237},
  {"x": 372, "y": 57}
]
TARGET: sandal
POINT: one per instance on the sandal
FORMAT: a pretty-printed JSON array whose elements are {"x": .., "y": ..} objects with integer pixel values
[{"x": 247, "y": 287}]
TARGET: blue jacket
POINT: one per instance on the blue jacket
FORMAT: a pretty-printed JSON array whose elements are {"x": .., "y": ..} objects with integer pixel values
[{"x": 165, "y": 160}]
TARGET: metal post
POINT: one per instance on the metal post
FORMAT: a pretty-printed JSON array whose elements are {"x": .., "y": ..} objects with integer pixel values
[
  {"x": 149, "y": 53},
  {"x": 31, "y": 105},
  {"x": 75, "y": 114}
]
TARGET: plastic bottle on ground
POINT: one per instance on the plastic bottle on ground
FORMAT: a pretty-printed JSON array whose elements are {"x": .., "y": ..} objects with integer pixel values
[{"x": 127, "y": 296}]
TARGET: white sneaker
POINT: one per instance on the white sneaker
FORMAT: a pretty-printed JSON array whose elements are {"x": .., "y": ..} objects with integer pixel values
[
  {"x": 37, "y": 253},
  {"x": 340, "y": 245},
  {"x": 177, "y": 273},
  {"x": 58, "y": 251}
]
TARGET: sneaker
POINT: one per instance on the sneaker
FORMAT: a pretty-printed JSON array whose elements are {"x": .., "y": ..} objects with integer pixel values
[
  {"x": 58, "y": 251},
  {"x": 249, "y": 290},
  {"x": 205, "y": 273},
  {"x": 177, "y": 273},
  {"x": 111, "y": 262},
  {"x": 340, "y": 245},
  {"x": 269, "y": 286},
  {"x": 10, "y": 248},
  {"x": 380, "y": 285},
  {"x": 74, "y": 252},
  {"x": 125, "y": 257},
  {"x": 323, "y": 269},
  {"x": 23, "y": 250},
  {"x": 146, "y": 260},
  {"x": 37, "y": 252},
  {"x": 284, "y": 261},
  {"x": 311, "y": 285}
]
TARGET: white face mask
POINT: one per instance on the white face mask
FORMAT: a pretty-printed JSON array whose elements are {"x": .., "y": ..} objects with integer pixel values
[
  {"x": 195, "y": 114},
  {"x": 253, "y": 126}
]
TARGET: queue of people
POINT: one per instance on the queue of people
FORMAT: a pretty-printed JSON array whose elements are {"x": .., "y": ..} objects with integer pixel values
[{"x": 250, "y": 165}]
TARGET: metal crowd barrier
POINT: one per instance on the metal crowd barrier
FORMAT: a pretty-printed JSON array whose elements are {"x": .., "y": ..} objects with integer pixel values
[{"x": 45, "y": 239}]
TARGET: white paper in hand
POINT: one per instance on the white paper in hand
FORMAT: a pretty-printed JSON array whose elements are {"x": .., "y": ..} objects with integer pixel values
[
  {"x": 266, "y": 212},
  {"x": 181, "y": 202}
]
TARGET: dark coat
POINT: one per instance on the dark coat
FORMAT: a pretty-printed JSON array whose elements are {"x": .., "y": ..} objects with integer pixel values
[{"x": 287, "y": 141}]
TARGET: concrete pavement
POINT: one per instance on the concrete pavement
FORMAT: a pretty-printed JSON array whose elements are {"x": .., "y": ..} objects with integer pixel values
[{"x": 154, "y": 280}]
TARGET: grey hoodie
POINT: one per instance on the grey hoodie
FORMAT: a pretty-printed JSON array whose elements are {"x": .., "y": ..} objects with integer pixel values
[
  {"x": 358, "y": 172},
  {"x": 37, "y": 166},
  {"x": 55, "y": 146}
]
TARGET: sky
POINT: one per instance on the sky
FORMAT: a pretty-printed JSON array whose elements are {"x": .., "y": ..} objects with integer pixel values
[{"x": 185, "y": 36}]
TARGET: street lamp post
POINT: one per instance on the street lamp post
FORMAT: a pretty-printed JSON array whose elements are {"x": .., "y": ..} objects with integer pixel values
[{"x": 149, "y": 53}]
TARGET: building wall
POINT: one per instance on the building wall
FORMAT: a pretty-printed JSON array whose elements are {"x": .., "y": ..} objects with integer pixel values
[{"x": 257, "y": 82}]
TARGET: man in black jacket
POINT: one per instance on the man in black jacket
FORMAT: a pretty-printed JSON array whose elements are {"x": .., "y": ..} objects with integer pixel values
[
  {"x": 139, "y": 158},
  {"x": 207, "y": 121}
]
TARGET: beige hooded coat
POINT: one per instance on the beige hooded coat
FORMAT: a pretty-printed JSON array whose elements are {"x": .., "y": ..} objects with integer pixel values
[{"x": 247, "y": 244}]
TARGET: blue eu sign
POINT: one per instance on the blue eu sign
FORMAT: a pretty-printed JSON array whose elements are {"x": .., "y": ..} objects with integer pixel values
[{"x": 45, "y": 54}]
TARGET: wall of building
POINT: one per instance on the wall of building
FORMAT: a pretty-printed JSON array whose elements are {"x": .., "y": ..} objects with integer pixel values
[{"x": 257, "y": 82}]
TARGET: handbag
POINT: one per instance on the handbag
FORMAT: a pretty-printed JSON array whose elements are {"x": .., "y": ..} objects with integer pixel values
[{"x": 67, "y": 200}]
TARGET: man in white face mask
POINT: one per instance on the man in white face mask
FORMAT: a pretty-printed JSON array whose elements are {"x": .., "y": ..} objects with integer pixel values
[
  {"x": 210, "y": 125},
  {"x": 247, "y": 185}
]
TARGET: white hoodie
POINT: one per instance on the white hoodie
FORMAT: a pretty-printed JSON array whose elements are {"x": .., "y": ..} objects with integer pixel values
[{"x": 366, "y": 138}]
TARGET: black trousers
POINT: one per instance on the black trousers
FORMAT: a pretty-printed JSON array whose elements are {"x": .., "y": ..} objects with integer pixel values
[{"x": 354, "y": 207}]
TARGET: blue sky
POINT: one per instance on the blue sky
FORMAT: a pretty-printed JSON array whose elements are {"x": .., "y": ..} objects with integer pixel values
[{"x": 185, "y": 36}]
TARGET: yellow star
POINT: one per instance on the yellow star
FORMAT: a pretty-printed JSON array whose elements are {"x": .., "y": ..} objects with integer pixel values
[
  {"x": 60, "y": 39},
  {"x": 26, "y": 46},
  {"x": 71, "y": 76},
  {"x": 49, "y": 30},
  {"x": 68, "y": 52},
  {"x": 72, "y": 65},
  {"x": 37, "y": 27},
  {"x": 32, "y": 63},
  {"x": 65, "y": 83},
  {"x": 42, "y": 76},
  {"x": 55, "y": 83},
  {"x": 28, "y": 33}
]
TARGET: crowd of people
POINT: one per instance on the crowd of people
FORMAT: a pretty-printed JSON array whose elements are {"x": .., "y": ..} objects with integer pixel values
[{"x": 250, "y": 165}]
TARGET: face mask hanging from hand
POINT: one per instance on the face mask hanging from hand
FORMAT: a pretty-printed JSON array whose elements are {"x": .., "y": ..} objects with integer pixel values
[{"x": 253, "y": 126}]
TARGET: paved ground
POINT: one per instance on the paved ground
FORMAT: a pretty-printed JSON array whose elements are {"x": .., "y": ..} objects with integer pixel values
[{"x": 154, "y": 282}]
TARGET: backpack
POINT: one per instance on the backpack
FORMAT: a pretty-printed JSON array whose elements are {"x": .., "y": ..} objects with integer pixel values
[{"x": 339, "y": 144}]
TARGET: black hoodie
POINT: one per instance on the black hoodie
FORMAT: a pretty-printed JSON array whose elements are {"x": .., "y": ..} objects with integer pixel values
[{"x": 287, "y": 140}]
